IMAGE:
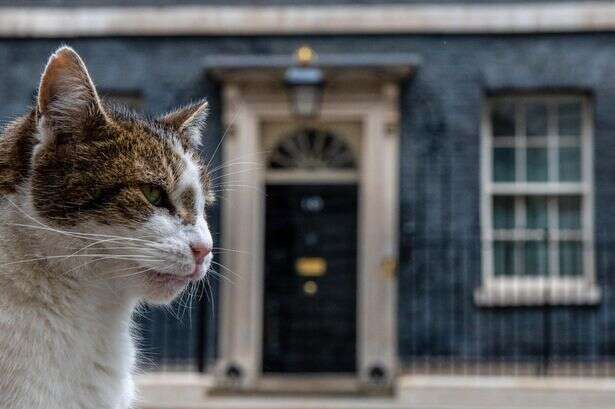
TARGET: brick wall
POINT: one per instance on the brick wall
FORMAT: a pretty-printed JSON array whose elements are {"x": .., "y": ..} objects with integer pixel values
[{"x": 441, "y": 105}]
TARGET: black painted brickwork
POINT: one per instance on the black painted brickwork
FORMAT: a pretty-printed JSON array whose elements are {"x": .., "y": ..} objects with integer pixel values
[{"x": 439, "y": 159}]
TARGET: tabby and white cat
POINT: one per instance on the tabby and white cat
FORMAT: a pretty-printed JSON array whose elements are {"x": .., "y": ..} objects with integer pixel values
[{"x": 99, "y": 210}]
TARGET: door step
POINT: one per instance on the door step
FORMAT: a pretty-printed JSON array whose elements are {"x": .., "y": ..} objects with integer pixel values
[{"x": 306, "y": 385}]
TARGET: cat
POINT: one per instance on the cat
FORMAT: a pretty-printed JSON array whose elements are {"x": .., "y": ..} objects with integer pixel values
[{"x": 100, "y": 210}]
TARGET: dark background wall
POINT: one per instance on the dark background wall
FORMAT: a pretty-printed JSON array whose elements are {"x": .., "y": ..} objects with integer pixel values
[{"x": 440, "y": 265}]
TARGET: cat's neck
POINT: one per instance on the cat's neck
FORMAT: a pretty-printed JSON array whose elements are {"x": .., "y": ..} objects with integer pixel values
[{"x": 71, "y": 322}]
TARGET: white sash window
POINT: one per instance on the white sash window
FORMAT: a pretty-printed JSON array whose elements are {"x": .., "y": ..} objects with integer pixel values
[{"x": 537, "y": 202}]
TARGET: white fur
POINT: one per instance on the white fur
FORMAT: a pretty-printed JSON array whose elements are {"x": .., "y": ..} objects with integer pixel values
[{"x": 65, "y": 339}]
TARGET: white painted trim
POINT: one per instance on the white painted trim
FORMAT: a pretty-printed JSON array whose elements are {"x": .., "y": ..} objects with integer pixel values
[
  {"x": 243, "y": 226},
  {"x": 377, "y": 241},
  {"x": 242, "y": 210},
  {"x": 312, "y": 177},
  {"x": 538, "y": 290},
  {"x": 538, "y": 188},
  {"x": 160, "y": 389},
  {"x": 285, "y": 20},
  {"x": 503, "y": 392},
  {"x": 183, "y": 391}
]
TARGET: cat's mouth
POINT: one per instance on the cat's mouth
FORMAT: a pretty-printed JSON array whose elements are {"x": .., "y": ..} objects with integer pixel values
[{"x": 168, "y": 279}]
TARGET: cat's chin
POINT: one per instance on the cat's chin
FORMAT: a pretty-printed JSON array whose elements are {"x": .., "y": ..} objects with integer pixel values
[{"x": 163, "y": 288}]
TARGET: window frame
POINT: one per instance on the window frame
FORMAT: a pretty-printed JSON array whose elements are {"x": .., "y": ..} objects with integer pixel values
[
  {"x": 547, "y": 289},
  {"x": 277, "y": 131}
]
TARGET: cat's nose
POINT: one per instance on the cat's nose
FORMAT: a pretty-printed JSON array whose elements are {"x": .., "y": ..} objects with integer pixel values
[{"x": 200, "y": 251}]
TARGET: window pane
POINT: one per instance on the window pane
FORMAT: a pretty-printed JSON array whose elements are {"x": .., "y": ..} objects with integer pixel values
[
  {"x": 569, "y": 118},
  {"x": 503, "y": 212},
  {"x": 570, "y": 258},
  {"x": 503, "y": 119},
  {"x": 504, "y": 258},
  {"x": 570, "y": 164},
  {"x": 570, "y": 212},
  {"x": 536, "y": 208},
  {"x": 536, "y": 259},
  {"x": 537, "y": 168},
  {"x": 536, "y": 119},
  {"x": 504, "y": 164}
]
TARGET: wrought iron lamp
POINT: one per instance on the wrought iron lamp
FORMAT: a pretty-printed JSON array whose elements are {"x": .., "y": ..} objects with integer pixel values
[{"x": 304, "y": 84}]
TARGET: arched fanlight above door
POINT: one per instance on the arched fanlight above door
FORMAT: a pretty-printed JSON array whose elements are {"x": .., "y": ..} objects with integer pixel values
[{"x": 312, "y": 149}]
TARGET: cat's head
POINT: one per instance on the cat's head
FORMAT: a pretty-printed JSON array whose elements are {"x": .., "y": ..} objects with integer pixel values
[{"x": 130, "y": 189}]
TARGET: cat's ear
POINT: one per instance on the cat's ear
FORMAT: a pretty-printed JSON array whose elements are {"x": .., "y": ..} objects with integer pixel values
[
  {"x": 67, "y": 99},
  {"x": 189, "y": 121}
]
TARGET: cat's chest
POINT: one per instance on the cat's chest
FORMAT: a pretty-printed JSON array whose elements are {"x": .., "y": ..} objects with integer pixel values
[
  {"x": 102, "y": 358},
  {"x": 78, "y": 358}
]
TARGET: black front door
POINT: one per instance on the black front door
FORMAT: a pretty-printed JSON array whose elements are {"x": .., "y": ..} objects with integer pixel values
[{"x": 310, "y": 279}]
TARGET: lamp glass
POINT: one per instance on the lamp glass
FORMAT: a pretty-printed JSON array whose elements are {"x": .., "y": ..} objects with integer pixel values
[{"x": 305, "y": 100}]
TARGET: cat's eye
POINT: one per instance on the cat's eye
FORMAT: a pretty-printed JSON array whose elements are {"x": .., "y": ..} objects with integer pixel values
[{"x": 153, "y": 194}]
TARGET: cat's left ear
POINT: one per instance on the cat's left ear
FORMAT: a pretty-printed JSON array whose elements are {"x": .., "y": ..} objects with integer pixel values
[
  {"x": 189, "y": 121},
  {"x": 67, "y": 99}
]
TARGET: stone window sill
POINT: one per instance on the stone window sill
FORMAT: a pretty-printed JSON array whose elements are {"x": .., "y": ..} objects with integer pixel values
[{"x": 537, "y": 293}]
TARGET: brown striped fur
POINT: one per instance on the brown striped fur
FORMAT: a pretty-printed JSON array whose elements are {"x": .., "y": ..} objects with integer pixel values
[
  {"x": 15, "y": 152},
  {"x": 90, "y": 159}
]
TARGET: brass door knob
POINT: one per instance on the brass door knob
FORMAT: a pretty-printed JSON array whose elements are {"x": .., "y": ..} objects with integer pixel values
[{"x": 388, "y": 267}]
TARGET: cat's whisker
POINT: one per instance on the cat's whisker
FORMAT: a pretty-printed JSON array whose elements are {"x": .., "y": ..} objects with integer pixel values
[
  {"x": 217, "y": 274},
  {"x": 85, "y": 236},
  {"x": 129, "y": 257},
  {"x": 261, "y": 191},
  {"x": 145, "y": 246},
  {"x": 222, "y": 249},
  {"x": 213, "y": 299},
  {"x": 142, "y": 271},
  {"x": 45, "y": 228},
  {"x": 229, "y": 165},
  {"x": 24, "y": 213},
  {"x": 223, "y": 188},
  {"x": 237, "y": 158},
  {"x": 224, "y": 276},
  {"x": 226, "y": 132},
  {"x": 122, "y": 270},
  {"x": 237, "y": 172},
  {"x": 185, "y": 304},
  {"x": 87, "y": 263},
  {"x": 188, "y": 304},
  {"x": 226, "y": 268},
  {"x": 236, "y": 162},
  {"x": 201, "y": 289},
  {"x": 194, "y": 298},
  {"x": 74, "y": 234},
  {"x": 129, "y": 248},
  {"x": 110, "y": 255},
  {"x": 169, "y": 309},
  {"x": 206, "y": 282},
  {"x": 93, "y": 245}
]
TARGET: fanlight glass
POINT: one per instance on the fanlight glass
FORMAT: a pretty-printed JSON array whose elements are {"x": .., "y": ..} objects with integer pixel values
[{"x": 312, "y": 149}]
